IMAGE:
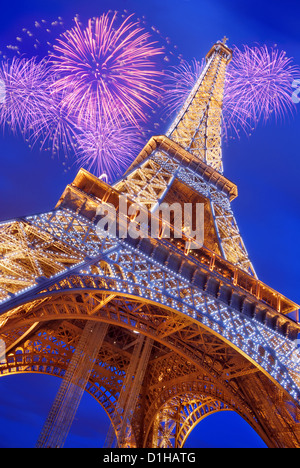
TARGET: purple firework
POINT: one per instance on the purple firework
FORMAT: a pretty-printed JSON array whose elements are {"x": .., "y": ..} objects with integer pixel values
[
  {"x": 25, "y": 93},
  {"x": 28, "y": 106},
  {"x": 258, "y": 85},
  {"x": 107, "y": 147},
  {"x": 105, "y": 69},
  {"x": 57, "y": 130}
]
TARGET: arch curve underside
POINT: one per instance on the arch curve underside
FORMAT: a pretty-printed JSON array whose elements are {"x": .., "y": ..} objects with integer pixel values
[{"x": 191, "y": 371}]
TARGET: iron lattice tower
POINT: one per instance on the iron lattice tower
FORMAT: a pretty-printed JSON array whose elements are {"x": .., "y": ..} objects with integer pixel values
[{"x": 184, "y": 333}]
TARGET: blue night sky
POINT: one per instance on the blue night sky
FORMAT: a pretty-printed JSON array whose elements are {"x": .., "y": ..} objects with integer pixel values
[{"x": 265, "y": 166}]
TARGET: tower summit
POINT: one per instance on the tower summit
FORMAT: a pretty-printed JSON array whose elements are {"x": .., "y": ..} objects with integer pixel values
[
  {"x": 197, "y": 127},
  {"x": 179, "y": 333}
]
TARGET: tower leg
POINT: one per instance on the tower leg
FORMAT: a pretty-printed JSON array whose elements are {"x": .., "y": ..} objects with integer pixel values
[
  {"x": 63, "y": 410},
  {"x": 129, "y": 394}
]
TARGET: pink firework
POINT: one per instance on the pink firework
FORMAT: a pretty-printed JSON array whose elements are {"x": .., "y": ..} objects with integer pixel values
[
  {"x": 258, "y": 86},
  {"x": 106, "y": 70},
  {"x": 25, "y": 93},
  {"x": 107, "y": 147}
]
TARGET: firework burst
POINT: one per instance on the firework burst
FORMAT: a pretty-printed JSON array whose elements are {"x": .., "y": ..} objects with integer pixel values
[
  {"x": 106, "y": 147},
  {"x": 107, "y": 70},
  {"x": 258, "y": 86},
  {"x": 25, "y": 93},
  {"x": 56, "y": 131}
]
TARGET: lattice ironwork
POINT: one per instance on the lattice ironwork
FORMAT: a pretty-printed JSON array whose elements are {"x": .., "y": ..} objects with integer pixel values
[
  {"x": 65, "y": 405},
  {"x": 120, "y": 432}
]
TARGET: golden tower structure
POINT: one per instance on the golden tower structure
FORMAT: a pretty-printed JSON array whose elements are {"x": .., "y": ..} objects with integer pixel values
[{"x": 159, "y": 334}]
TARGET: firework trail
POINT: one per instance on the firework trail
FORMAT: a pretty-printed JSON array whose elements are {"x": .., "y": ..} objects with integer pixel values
[
  {"x": 257, "y": 86},
  {"x": 107, "y": 70}
]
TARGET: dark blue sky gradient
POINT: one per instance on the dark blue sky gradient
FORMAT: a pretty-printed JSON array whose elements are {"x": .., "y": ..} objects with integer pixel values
[{"x": 265, "y": 166}]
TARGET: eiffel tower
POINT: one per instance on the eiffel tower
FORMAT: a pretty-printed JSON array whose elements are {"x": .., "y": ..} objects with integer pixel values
[{"x": 160, "y": 335}]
